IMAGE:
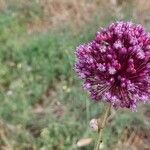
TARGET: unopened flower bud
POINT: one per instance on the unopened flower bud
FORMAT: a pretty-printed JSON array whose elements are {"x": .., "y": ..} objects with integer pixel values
[{"x": 94, "y": 124}]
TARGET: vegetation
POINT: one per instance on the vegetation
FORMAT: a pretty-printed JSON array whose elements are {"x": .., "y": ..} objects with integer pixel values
[{"x": 42, "y": 104}]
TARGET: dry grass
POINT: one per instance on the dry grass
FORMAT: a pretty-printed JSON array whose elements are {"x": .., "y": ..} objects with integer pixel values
[
  {"x": 142, "y": 12},
  {"x": 70, "y": 12},
  {"x": 133, "y": 140},
  {"x": 75, "y": 14}
]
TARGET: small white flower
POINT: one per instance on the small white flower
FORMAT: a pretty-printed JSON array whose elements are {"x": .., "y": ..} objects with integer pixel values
[
  {"x": 112, "y": 70},
  {"x": 103, "y": 49},
  {"x": 101, "y": 67},
  {"x": 118, "y": 44}
]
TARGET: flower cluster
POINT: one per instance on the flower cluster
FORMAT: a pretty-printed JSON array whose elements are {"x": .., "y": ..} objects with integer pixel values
[{"x": 115, "y": 66}]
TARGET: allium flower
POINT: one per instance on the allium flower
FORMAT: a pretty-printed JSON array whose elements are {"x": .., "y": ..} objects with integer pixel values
[{"x": 115, "y": 66}]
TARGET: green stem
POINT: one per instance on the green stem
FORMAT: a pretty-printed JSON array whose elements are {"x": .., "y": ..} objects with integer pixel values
[{"x": 101, "y": 127}]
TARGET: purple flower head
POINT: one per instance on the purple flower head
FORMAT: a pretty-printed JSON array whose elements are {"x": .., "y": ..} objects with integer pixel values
[{"x": 115, "y": 66}]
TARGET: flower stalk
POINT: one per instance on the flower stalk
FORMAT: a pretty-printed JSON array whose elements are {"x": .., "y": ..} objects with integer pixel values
[{"x": 101, "y": 127}]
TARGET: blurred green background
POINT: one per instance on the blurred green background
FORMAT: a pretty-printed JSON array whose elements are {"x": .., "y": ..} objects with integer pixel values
[{"x": 42, "y": 103}]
